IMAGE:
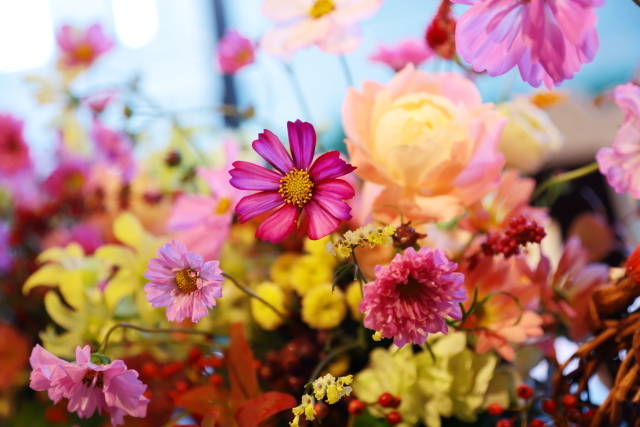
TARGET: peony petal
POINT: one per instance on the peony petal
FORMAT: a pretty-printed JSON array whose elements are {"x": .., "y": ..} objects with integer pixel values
[
  {"x": 247, "y": 176},
  {"x": 321, "y": 222},
  {"x": 279, "y": 225},
  {"x": 269, "y": 146},
  {"x": 302, "y": 140},
  {"x": 257, "y": 204},
  {"x": 329, "y": 166}
]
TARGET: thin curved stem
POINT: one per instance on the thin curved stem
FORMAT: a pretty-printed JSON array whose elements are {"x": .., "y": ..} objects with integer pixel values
[
  {"x": 256, "y": 296},
  {"x": 565, "y": 177},
  {"x": 338, "y": 351},
  {"x": 297, "y": 89},
  {"x": 346, "y": 70},
  {"x": 105, "y": 341}
]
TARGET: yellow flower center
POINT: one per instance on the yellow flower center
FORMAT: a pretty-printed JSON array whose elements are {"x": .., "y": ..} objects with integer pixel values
[
  {"x": 296, "y": 187},
  {"x": 243, "y": 56},
  {"x": 84, "y": 52},
  {"x": 187, "y": 280},
  {"x": 87, "y": 380},
  {"x": 223, "y": 206},
  {"x": 321, "y": 8},
  {"x": 409, "y": 290}
]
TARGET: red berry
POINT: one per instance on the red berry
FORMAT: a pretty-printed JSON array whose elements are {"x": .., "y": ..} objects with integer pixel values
[
  {"x": 537, "y": 423},
  {"x": 588, "y": 416},
  {"x": 356, "y": 407},
  {"x": 385, "y": 400},
  {"x": 216, "y": 380},
  {"x": 396, "y": 402},
  {"x": 394, "y": 418},
  {"x": 322, "y": 409},
  {"x": 495, "y": 409},
  {"x": 549, "y": 406},
  {"x": 504, "y": 423},
  {"x": 149, "y": 369},
  {"x": 569, "y": 401},
  {"x": 194, "y": 355},
  {"x": 524, "y": 391},
  {"x": 182, "y": 386},
  {"x": 54, "y": 414}
]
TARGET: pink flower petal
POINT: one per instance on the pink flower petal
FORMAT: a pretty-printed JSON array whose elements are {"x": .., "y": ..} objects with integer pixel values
[
  {"x": 256, "y": 204},
  {"x": 302, "y": 140},
  {"x": 321, "y": 222},
  {"x": 279, "y": 225},
  {"x": 329, "y": 166},
  {"x": 247, "y": 176},
  {"x": 269, "y": 146}
]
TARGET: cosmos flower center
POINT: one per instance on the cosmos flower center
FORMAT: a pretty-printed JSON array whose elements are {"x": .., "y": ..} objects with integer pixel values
[
  {"x": 90, "y": 375},
  {"x": 321, "y": 8},
  {"x": 243, "y": 56},
  {"x": 223, "y": 206},
  {"x": 84, "y": 52},
  {"x": 409, "y": 290},
  {"x": 296, "y": 187},
  {"x": 187, "y": 280}
]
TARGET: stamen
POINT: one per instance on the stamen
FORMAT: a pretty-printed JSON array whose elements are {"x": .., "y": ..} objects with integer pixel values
[
  {"x": 296, "y": 187},
  {"x": 409, "y": 290},
  {"x": 186, "y": 280},
  {"x": 321, "y": 8},
  {"x": 90, "y": 375}
]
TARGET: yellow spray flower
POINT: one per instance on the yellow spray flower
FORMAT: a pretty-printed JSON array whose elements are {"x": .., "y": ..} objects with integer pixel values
[
  {"x": 308, "y": 272},
  {"x": 280, "y": 271},
  {"x": 323, "y": 308},
  {"x": 368, "y": 235},
  {"x": 262, "y": 314},
  {"x": 354, "y": 296}
]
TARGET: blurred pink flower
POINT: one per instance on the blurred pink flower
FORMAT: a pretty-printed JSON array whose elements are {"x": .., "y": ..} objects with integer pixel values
[
  {"x": 87, "y": 235},
  {"x": 115, "y": 149},
  {"x": 193, "y": 216},
  {"x": 234, "y": 52},
  {"x": 183, "y": 282},
  {"x": 621, "y": 162},
  {"x": 332, "y": 25},
  {"x": 297, "y": 185},
  {"x": 414, "y": 51},
  {"x": 89, "y": 386},
  {"x": 98, "y": 101},
  {"x": 82, "y": 48},
  {"x": 14, "y": 151},
  {"x": 548, "y": 40},
  {"x": 427, "y": 140},
  {"x": 68, "y": 178},
  {"x": 413, "y": 295},
  {"x": 5, "y": 251}
]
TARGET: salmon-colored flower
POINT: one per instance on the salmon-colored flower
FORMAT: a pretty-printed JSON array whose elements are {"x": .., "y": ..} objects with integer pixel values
[
  {"x": 427, "y": 139},
  {"x": 234, "y": 52}
]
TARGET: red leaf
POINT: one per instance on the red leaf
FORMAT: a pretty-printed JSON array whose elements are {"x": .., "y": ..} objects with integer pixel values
[
  {"x": 254, "y": 411},
  {"x": 210, "y": 420},
  {"x": 241, "y": 367},
  {"x": 202, "y": 400}
]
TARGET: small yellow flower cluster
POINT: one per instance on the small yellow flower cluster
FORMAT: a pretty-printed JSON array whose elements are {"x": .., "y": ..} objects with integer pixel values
[
  {"x": 324, "y": 387},
  {"x": 377, "y": 336},
  {"x": 369, "y": 234}
]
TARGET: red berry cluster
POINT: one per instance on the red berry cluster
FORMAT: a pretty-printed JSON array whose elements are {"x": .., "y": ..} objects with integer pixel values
[
  {"x": 519, "y": 233},
  {"x": 288, "y": 369}
]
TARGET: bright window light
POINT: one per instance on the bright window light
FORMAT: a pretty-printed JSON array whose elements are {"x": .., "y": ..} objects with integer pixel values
[
  {"x": 136, "y": 21},
  {"x": 26, "y": 34}
]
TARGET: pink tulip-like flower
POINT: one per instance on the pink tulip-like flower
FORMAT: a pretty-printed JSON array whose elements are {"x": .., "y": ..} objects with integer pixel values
[
  {"x": 182, "y": 282},
  {"x": 621, "y": 162},
  {"x": 115, "y": 149},
  {"x": 409, "y": 51},
  {"x": 332, "y": 25},
  {"x": 89, "y": 386},
  {"x": 14, "y": 151},
  {"x": 82, "y": 48},
  {"x": 298, "y": 184},
  {"x": 234, "y": 52},
  {"x": 413, "y": 295},
  {"x": 548, "y": 40},
  {"x": 426, "y": 140}
]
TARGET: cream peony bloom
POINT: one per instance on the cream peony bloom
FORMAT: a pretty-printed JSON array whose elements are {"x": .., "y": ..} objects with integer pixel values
[{"x": 529, "y": 137}]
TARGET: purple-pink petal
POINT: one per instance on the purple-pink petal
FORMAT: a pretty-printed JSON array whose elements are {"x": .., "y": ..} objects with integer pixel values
[
  {"x": 334, "y": 207},
  {"x": 302, "y": 140},
  {"x": 256, "y": 204},
  {"x": 321, "y": 222},
  {"x": 279, "y": 225},
  {"x": 336, "y": 188},
  {"x": 269, "y": 146},
  {"x": 329, "y": 166},
  {"x": 247, "y": 176}
]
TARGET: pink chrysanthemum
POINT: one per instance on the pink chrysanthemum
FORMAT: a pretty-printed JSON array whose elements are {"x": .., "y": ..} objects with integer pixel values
[
  {"x": 14, "y": 151},
  {"x": 183, "y": 282},
  {"x": 621, "y": 162},
  {"x": 413, "y": 295},
  {"x": 296, "y": 185},
  {"x": 548, "y": 40},
  {"x": 82, "y": 48},
  {"x": 409, "y": 51},
  {"x": 235, "y": 52},
  {"x": 89, "y": 386}
]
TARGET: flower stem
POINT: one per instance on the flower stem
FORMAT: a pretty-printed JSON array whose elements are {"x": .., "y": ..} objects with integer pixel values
[
  {"x": 256, "y": 296},
  {"x": 338, "y": 351},
  {"x": 297, "y": 89},
  {"x": 105, "y": 341},
  {"x": 565, "y": 177},
  {"x": 361, "y": 279},
  {"x": 637, "y": 2},
  {"x": 347, "y": 71}
]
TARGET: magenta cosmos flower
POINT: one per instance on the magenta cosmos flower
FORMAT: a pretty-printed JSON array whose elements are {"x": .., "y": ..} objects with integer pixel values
[
  {"x": 182, "y": 282},
  {"x": 234, "y": 52},
  {"x": 82, "y": 48},
  {"x": 548, "y": 40},
  {"x": 14, "y": 151},
  {"x": 89, "y": 386},
  {"x": 408, "y": 51},
  {"x": 296, "y": 185},
  {"x": 413, "y": 295},
  {"x": 621, "y": 162}
]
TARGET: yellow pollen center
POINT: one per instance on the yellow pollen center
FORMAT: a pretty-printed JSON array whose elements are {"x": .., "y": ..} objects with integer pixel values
[
  {"x": 409, "y": 290},
  {"x": 84, "y": 52},
  {"x": 89, "y": 376},
  {"x": 296, "y": 187},
  {"x": 321, "y": 8},
  {"x": 243, "y": 56},
  {"x": 186, "y": 280},
  {"x": 223, "y": 206}
]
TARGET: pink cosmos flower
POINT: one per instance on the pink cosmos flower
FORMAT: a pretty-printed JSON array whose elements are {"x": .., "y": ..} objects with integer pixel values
[
  {"x": 193, "y": 216},
  {"x": 621, "y": 162},
  {"x": 234, "y": 52},
  {"x": 89, "y": 386},
  {"x": 332, "y": 25},
  {"x": 82, "y": 48},
  {"x": 183, "y": 282},
  {"x": 115, "y": 149},
  {"x": 414, "y": 51},
  {"x": 413, "y": 295},
  {"x": 296, "y": 185},
  {"x": 548, "y": 40},
  {"x": 14, "y": 151}
]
